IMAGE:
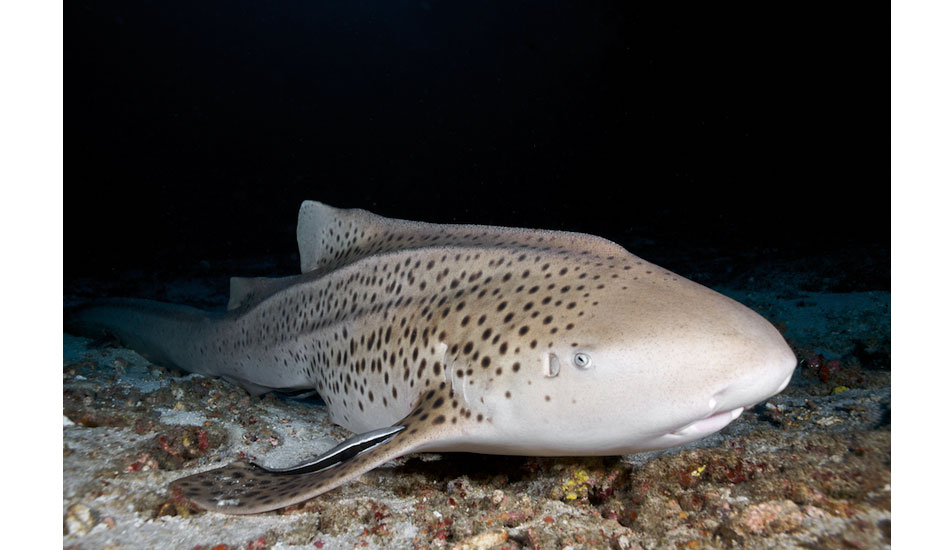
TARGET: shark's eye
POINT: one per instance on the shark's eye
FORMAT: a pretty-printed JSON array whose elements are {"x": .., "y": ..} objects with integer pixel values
[{"x": 581, "y": 360}]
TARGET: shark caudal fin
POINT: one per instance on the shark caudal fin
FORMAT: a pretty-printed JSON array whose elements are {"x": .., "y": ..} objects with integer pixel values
[
  {"x": 160, "y": 332},
  {"x": 174, "y": 335},
  {"x": 243, "y": 488}
]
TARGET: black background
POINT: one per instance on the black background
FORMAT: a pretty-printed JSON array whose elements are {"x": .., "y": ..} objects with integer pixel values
[{"x": 728, "y": 142}]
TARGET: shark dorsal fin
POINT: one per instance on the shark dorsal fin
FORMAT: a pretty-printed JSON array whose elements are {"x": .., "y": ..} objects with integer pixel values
[
  {"x": 247, "y": 291},
  {"x": 329, "y": 237}
]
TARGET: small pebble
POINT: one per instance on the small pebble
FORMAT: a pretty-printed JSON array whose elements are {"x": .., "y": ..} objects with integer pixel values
[
  {"x": 482, "y": 541},
  {"x": 79, "y": 519},
  {"x": 769, "y": 517},
  {"x": 119, "y": 365}
]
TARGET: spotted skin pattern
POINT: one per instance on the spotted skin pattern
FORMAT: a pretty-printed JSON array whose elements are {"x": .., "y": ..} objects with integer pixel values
[{"x": 473, "y": 337}]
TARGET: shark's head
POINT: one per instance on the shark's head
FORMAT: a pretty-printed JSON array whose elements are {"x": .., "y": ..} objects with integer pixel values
[{"x": 663, "y": 362}]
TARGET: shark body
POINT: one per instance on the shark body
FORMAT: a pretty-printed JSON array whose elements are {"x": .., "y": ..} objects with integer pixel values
[{"x": 426, "y": 337}]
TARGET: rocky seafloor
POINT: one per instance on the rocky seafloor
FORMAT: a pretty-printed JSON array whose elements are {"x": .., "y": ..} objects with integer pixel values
[{"x": 810, "y": 468}]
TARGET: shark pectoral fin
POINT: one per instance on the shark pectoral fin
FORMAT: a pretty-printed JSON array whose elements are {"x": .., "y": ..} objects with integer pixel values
[
  {"x": 242, "y": 488},
  {"x": 349, "y": 448}
]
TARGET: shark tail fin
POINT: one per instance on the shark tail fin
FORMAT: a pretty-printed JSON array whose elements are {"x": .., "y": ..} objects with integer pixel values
[{"x": 160, "y": 332}]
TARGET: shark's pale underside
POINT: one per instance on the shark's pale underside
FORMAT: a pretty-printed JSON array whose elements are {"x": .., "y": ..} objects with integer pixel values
[{"x": 426, "y": 337}]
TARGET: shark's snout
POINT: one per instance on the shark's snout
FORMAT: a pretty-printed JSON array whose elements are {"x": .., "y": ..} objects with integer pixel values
[
  {"x": 769, "y": 377},
  {"x": 752, "y": 389}
]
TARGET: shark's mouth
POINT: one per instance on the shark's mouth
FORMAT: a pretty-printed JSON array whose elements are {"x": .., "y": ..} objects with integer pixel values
[
  {"x": 715, "y": 422},
  {"x": 709, "y": 424}
]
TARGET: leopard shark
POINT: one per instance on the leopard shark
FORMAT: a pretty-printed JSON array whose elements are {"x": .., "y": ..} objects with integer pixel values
[{"x": 423, "y": 337}]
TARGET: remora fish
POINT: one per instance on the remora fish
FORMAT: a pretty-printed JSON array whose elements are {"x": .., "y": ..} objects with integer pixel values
[{"x": 426, "y": 337}]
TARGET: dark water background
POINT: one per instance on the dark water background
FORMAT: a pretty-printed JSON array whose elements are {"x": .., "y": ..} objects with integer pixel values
[
  {"x": 743, "y": 145},
  {"x": 740, "y": 145}
]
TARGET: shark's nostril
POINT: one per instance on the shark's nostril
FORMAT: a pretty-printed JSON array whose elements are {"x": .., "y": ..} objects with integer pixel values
[{"x": 722, "y": 394}]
